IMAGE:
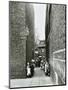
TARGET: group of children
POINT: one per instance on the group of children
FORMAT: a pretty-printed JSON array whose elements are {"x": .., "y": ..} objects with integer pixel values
[{"x": 43, "y": 65}]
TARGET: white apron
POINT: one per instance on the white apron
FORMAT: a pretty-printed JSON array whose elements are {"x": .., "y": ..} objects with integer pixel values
[{"x": 28, "y": 71}]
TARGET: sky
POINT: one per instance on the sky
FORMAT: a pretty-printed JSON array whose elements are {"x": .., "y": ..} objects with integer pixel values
[{"x": 39, "y": 14}]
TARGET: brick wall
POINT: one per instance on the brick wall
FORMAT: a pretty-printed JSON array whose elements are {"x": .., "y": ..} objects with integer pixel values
[
  {"x": 21, "y": 37},
  {"x": 56, "y": 41},
  {"x": 30, "y": 38},
  {"x": 17, "y": 37}
]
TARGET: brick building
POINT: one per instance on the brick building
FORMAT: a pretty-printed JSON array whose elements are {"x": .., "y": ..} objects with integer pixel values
[
  {"x": 30, "y": 37},
  {"x": 56, "y": 41},
  {"x": 19, "y": 32}
]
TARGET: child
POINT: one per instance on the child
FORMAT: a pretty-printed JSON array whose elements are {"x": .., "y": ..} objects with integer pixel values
[
  {"x": 28, "y": 70},
  {"x": 47, "y": 68}
]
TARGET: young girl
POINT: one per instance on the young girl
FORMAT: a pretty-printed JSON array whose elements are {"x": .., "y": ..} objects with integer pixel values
[{"x": 28, "y": 70}]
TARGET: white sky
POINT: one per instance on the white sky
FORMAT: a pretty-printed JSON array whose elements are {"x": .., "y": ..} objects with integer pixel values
[{"x": 39, "y": 13}]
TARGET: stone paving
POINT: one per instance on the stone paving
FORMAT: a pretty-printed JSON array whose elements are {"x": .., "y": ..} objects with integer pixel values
[{"x": 39, "y": 79}]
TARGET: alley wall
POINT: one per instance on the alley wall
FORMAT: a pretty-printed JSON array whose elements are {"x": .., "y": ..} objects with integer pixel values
[{"x": 56, "y": 41}]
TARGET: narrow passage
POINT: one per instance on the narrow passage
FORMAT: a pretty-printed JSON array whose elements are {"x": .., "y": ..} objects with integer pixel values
[{"x": 39, "y": 79}]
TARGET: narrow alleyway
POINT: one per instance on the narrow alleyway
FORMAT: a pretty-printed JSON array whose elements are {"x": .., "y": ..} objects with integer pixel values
[{"x": 39, "y": 79}]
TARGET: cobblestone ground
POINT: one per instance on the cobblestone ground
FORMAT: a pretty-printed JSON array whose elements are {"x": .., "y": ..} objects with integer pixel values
[{"x": 39, "y": 79}]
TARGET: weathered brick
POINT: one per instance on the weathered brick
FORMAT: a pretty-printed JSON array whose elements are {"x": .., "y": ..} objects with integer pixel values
[{"x": 55, "y": 40}]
